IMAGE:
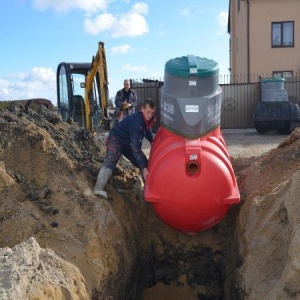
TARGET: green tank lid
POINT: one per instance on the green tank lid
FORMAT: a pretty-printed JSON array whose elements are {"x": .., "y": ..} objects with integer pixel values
[
  {"x": 191, "y": 65},
  {"x": 272, "y": 79}
]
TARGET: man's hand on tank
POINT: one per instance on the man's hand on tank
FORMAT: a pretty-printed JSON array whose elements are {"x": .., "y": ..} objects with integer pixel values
[{"x": 145, "y": 173}]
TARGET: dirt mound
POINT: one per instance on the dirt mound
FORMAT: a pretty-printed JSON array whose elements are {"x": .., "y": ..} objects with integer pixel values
[
  {"x": 266, "y": 172},
  {"x": 47, "y": 172},
  {"x": 268, "y": 224}
]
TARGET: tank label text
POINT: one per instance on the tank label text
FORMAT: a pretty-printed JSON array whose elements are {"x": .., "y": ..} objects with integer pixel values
[
  {"x": 167, "y": 107},
  {"x": 192, "y": 108},
  {"x": 193, "y": 157}
]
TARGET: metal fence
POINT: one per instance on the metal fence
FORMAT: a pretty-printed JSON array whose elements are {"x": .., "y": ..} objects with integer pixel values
[{"x": 239, "y": 99}]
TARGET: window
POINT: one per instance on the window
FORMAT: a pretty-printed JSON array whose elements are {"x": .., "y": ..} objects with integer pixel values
[
  {"x": 283, "y": 34},
  {"x": 63, "y": 90},
  {"x": 285, "y": 74}
]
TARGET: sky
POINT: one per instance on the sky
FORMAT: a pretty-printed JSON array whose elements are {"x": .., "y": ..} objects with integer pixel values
[{"x": 139, "y": 38}]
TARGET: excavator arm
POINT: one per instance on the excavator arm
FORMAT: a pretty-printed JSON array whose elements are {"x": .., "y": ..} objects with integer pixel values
[{"x": 96, "y": 76}]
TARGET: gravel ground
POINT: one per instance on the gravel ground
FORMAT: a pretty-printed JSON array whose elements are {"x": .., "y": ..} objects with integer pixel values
[{"x": 248, "y": 142}]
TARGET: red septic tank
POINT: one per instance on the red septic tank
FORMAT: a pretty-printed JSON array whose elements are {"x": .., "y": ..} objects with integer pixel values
[{"x": 191, "y": 183}]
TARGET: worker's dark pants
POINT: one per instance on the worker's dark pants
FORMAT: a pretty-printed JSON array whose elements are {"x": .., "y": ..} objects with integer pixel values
[{"x": 114, "y": 150}]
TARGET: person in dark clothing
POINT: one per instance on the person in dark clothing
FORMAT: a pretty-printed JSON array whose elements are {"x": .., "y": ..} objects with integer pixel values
[
  {"x": 126, "y": 138},
  {"x": 125, "y": 101}
]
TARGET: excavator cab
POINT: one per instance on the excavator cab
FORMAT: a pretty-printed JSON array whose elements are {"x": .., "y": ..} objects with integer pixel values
[
  {"x": 82, "y": 91},
  {"x": 70, "y": 94}
]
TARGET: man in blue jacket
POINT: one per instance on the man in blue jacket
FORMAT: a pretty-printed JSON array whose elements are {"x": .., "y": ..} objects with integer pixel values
[{"x": 125, "y": 138}]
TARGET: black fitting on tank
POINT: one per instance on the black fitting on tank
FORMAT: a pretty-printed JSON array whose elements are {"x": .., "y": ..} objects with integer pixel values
[{"x": 192, "y": 167}]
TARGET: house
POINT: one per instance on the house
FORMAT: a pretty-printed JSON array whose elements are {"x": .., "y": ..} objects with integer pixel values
[{"x": 264, "y": 38}]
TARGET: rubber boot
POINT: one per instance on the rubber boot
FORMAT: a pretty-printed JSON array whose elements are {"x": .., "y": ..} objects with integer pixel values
[{"x": 103, "y": 177}]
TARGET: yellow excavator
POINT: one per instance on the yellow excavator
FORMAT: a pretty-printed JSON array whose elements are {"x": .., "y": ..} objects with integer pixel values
[{"x": 82, "y": 93}]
